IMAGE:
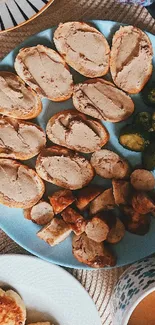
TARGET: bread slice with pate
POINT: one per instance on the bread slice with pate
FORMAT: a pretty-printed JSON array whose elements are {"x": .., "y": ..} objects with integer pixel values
[
  {"x": 17, "y": 100},
  {"x": 20, "y": 186},
  {"x": 74, "y": 130},
  {"x": 83, "y": 47},
  {"x": 19, "y": 139},
  {"x": 101, "y": 99},
  {"x": 45, "y": 71},
  {"x": 64, "y": 168},
  {"x": 131, "y": 59}
]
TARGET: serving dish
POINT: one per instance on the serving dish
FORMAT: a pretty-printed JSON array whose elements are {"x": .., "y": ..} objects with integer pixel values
[
  {"x": 48, "y": 291},
  {"x": 17, "y": 13},
  {"x": 132, "y": 247}
]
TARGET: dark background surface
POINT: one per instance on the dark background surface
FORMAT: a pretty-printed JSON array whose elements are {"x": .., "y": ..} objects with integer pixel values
[{"x": 151, "y": 10}]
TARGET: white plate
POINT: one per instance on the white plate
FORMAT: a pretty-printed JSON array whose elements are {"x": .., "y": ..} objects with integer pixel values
[
  {"x": 49, "y": 292},
  {"x": 14, "y": 13}
]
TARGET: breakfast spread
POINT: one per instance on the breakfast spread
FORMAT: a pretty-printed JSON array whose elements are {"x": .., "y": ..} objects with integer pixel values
[{"x": 98, "y": 216}]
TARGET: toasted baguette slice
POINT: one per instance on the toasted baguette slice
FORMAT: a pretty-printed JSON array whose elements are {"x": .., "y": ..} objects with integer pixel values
[
  {"x": 74, "y": 130},
  {"x": 64, "y": 168},
  {"x": 45, "y": 71},
  {"x": 17, "y": 100},
  {"x": 121, "y": 191},
  {"x": 86, "y": 195},
  {"x": 101, "y": 99},
  {"x": 75, "y": 220},
  {"x": 100, "y": 225},
  {"x": 116, "y": 233},
  {"x": 20, "y": 140},
  {"x": 55, "y": 232},
  {"x": 131, "y": 59},
  {"x": 20, "y": 186},
  {"x": 142, "y": 203},
  {"x": 135, "y": 222},
  {"x": 104, "y": 201},
  {"x": 108, "y": 164},
  {"x": 83, "y": 47},
  {"x": 94, "y": 254},
  {"x": 61, "y": 199},
  {"x": 41, "y": 213},
  {"x": 142, "y": 180}
]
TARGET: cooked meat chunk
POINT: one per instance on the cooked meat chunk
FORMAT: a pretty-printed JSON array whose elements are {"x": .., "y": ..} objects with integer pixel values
[
  {"x": 75, "y": 220},
  {"x": 142, "y": 180},
  {"x": 55, "y": 232},
  {"x": 86, "y": 195},
  {"x": 142, "y": 203},
  {"x": 121, "y": 191},
  {"x": 99, "y": 226},
  {"x": 104, "y": 201},
  {"x": 116, "y": 233},
  {"x": 135, "y": 222},
  {"x": 94, "y": 254},
  {"x": 41, "y": 213},
  {"x": 61, "y": 199},
  {"x": 108, "y": 164}
]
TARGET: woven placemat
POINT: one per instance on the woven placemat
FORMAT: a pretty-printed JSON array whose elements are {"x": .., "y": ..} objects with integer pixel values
[{"x": 98, "y": 283}]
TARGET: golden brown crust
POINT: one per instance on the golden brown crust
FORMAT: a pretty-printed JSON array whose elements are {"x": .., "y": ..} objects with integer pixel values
[
  {"x": 135, "y": 222},
  {"x": 104, "y": 201},
  {"x": 39, "y": 183},
  {"x": 78, "y": 64},
  {"x": 96, "y": 112},
  {"x": 142, "y": 203},
  {"x": 75, "y": 220},
  {"x": 116, "y": 233},
  {"x": 18, "y": 113},
  {"x": 61, "y": 199},
  {"x": 91, "y": 253},
  {"x": 113, "y": 68},
  {"x": 86, "y": 195},
  {"x": 99, "y": 130},
  {"x": 8, "y": 152},
  {"x": 121, "y": 191},
  {"x": 57, "y": 151}
]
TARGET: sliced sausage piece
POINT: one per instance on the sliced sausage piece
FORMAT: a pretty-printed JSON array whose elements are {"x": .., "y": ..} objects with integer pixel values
[
  {"x": 142, "y": 203},
  {"x": 96, "y": 255},
  {"x": 55, "y": 232},
  {"x": 116, "y": 233},
  {"x": 86, "y": 195},
  {"x": 75, "y": 220},
  {"x": 108, "y": 164},
  {"x": 121, "y": 191},
  {"x": 41, "y": 213},
  {"x": 135, "y": 222},
  {"x": 99, "y": 226},
  {"x": 61, "y": 199},
  {"x": 142, "y": 180},
  {"x": 104, "y": 201}
]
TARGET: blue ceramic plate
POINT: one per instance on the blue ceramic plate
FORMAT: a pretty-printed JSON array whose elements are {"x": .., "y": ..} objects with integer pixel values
[{"x": 132, "y": 247}]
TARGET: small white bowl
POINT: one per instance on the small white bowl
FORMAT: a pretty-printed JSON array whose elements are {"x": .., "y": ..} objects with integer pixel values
[
  {"x": 134, "y": 285},
  {"x": 15, "y": 13}
]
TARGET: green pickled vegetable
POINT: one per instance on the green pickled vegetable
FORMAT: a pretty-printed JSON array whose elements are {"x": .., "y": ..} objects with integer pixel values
[
  {"x": 148, "y": 94},
  {"x": 133, "y": 139},
  {"x": 143, "y": 120},
  {"x": 148, "y": 157}
]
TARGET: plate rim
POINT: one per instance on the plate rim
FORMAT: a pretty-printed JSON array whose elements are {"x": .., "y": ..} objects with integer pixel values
[
  {"x": 29, "y": 20},
  {"x": 32, "y": 259}
]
